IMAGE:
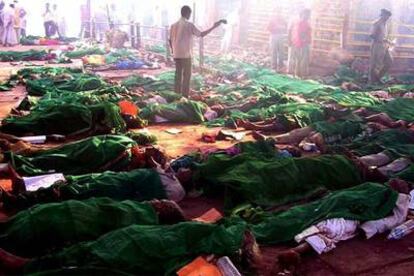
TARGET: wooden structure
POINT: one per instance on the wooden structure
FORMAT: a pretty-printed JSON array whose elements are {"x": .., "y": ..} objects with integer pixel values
[{"x": 339, "y": 26}]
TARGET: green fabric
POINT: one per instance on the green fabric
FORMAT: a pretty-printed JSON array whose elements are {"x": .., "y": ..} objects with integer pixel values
[
  {"x": 76, "y": 83},
  {"x": 398, "y": 109},
  {"x": 369, "y": 201},
  {"x": 23, "y": 56},
  {"x": 339, "y": 130},
  {"x": 85, "y": 156},
  {"x": 159, "y": 49},
  {"x": 81, "y": 52},
  {"x": 303, "y": 114},
  {"x": 140, "y": 185},
  {"x": 351, "y": 99},
  {"x": 251, "y": 178},
  {"x": 43, "y": 72},
  {"x": 142, "y": 138},
  {"x": 51, "y": 226},
  {"x": 163, "y": 82},
  {"x": 67, "y": 119},
  {"x": 150, "y": 250},
  {"x": 180, "y": 112},
  {"x": 397, "y": 142}
]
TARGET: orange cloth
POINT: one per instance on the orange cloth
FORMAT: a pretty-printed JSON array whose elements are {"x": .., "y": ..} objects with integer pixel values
[
  {"x": 128, "y": 108},
  {"x": 199, "y": 267},
  {"x": 211, "y": 216}
]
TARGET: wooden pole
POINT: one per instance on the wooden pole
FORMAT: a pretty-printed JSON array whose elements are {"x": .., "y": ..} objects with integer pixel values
[
  {"x": 132, "y": 34},
  {"x": 167, "y": 43},
  {"x": 138, "y": 35}
]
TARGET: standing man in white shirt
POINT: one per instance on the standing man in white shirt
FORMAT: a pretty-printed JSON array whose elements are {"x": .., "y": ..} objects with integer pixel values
[{"x": 181, "y": 43}]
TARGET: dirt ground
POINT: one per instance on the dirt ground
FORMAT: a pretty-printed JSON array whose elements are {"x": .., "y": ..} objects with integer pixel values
[{"x": 376, "y": 256}]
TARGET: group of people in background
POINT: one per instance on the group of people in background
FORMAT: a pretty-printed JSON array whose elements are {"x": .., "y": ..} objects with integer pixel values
[
  {"x": 53, "y": 22},
  {"x": 12, "y": 23},
  {"x": 299, "y": 37}
]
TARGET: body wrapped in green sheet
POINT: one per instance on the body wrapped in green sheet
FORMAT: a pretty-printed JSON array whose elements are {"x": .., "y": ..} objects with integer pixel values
[
  {"x": 85, "y": 156},
  {"x": 159, "y": 249},
  {"x": 148, "y": 250},
  {"x": 368, "y": 201},
  {"x": 51, "y": 226},
  {"x": 252, "y": 178},
  {"x": 179, "y": 112},
  {"x": 139, "y": 185},
  {"x": 76, "y": 83},
  {"x": 67, "y": 119}
]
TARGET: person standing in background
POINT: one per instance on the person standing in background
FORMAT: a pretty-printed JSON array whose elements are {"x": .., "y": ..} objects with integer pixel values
[
  {"x": 380, "y": 60},
  {"x": 101, "y": 23},
  {"x": 19, "y": 17},
  {"x": 9, "y": 34},
  {"x": 277, "y": 28},
  {"x": 300, "y": 38},
  {"x": 48, "y": 20},
  {"x": 23, "y": 22},
  {"x": 56, "y": 20},
  {"x": 230, "y": 30},
  {"x": 1, "y": 19},
  {"x": 85, "y": 18},
  {"x": 181, "y": 43}
]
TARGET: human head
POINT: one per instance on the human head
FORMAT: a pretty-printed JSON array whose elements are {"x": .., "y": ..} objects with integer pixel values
[
  {"x": 12, "y": 6},
  {"x": 54, "y": 6},
  {"x": 385, "y": 14},
  {"x": 305, "y": 14},
  {"x": 186, "y": 12},
  {"x": 47, "y": 6}
]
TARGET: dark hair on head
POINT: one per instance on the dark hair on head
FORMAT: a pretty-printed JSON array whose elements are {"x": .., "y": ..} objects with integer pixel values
[{"x": 185, "y": 10}]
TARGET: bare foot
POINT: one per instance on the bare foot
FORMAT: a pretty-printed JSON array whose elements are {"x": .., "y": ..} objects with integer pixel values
[{"x": 251, "y": 252}]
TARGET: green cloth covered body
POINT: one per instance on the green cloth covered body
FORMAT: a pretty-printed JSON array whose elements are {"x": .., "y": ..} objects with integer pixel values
[
  {"x": 148, "y": 250},
  {"x": 81, "y": 52},
  {"x": 67, "y": 119},
  {"x": 76, "y": 83},
  {"x": 23, "y": 56},
  {"x": 139, "y": 185},
  {"x": 252, "y": 178},
  {"x": 397, "y": 142},
  {"x": 338, "y": 131},
  {"x": 179, "y": 112},
  {"x": 365, "y": 202},
  {"x": 159, "y": 249},
  {"x": 45, "y": 227},
  {"x": 398, "y": 109},
  {"x": 85, "y": 156}
]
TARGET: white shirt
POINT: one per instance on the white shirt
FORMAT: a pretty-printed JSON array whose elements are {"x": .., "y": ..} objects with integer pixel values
[
  {"x": 47, "y": 16},
  {"x": 181, "y": 36}
]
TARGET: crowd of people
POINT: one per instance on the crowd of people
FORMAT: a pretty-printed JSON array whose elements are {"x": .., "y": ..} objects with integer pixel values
[{"x": 12, "y": 23}]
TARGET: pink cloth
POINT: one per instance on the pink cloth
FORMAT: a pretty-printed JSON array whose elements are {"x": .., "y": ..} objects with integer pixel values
[{"x": 301, "y": 34}]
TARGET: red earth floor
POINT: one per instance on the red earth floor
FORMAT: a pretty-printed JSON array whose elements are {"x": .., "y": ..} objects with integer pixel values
[{"x": 377, "y": 256}]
